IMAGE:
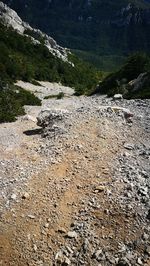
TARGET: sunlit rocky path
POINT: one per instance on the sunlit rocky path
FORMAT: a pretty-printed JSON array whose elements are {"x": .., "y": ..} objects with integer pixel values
[{"x": 79, "y": 196}]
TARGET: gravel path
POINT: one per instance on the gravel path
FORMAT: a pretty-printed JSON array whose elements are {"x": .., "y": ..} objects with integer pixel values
[
  {"x": 79, "y": 195},
  {"x": 45, "y": 89}
]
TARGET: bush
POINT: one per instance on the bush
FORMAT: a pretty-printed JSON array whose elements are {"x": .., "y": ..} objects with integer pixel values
[
  {"x": 118, "y": 82},
  {"x": 12, "y": 100},
  {"x": 60, "y": 95},
  {"x": 36, "y": 83},
  {"x": 26, "y": 97}
]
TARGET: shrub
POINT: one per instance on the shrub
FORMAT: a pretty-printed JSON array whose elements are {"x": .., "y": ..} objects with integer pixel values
[
  {"x": 36, "y": 83},
  {"x": 12, "y": 100},
  {"x": 118, "y": 82},
  {"x": 60, "y": 95},
  {"x": 26, "y": 97},
  {"x": 50, "y": 96}
]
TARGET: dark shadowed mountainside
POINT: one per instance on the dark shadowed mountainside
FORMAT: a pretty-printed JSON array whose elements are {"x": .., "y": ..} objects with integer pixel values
[{"x": 101, "y": 31}]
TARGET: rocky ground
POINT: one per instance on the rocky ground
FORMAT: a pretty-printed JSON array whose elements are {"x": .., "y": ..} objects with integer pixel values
[
  {"x": 45, "y": 88},
  {"x": 76, "y": 191}
]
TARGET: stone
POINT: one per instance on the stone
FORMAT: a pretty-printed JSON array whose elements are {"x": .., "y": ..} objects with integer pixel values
[
  {"x": 123, "y": 262},
  {"x": 13, "y": 197},
  {"x": 49, "y": 117},
  {"x": 62, "y": 230},
  {"x": 128, "y": 146},
  {"x": 145, "y": 236},
  {"x": 72, "y": 234},
  {"x": 66, "y": 262},
  {"x": 30, "y": 118},
  {"x": 69, "y": 249},
  {"x": 148, "y": 250},
  {"x": 117, "y": 97},
  {"x": 59, "y": 257},
  {"x": 53, "y": 122},
  {"x": 25, "y": 195},
  {"x": 97, "y": 254},
  {"x": 85, "y": 245},
  {"x": 145, "y": 174},
  {"x": 99, "y": 188},
  {"x": 35, "y": 247},
  {"x": 46, "y": 225},
  {"x": 31, "y": 216},
  {"x": 139, "y": 261},
  {"x": 106, "y": 211}
]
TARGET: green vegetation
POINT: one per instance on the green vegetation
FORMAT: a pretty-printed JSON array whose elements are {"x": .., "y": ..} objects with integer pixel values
[
  {"x": 107, "y": 63},
  {"x": 58, "y": 96},
  {"x": 21, "y": 59},
  {"x": 35, "y": 35},
  {"x": 12, "y": 100},
  {"x": 118, "y": 82},
  {"x": 143, "y": 92},
  {"x": 100, "y": 30},
  {"x": 36, "y": 83},
  {"x": 50, "y": 96}
]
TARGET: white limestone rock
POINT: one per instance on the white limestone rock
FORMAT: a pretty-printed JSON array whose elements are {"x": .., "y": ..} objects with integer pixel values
[{"x": 10, "y": 18}]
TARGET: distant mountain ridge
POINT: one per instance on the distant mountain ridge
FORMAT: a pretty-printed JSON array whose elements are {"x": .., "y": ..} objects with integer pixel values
[{"x": 101, "y": 27}]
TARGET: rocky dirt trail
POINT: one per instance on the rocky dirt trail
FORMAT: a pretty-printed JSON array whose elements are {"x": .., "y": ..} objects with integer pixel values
[{"x": 77, "y": 191}]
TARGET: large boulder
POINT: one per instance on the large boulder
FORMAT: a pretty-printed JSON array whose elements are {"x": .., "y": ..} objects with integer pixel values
[
  {"x": 53, "y": 122},
  {"x": 142, "y": 81},
  {"x": 117, "y": 97},
  {"x": 140, "y": 87}
]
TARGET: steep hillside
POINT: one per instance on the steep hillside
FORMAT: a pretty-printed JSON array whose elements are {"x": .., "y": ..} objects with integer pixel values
[
  {"x": 28, "y": 54},
  {"x": 132, "y": 80},
  {"x": 108, "y": 29}
]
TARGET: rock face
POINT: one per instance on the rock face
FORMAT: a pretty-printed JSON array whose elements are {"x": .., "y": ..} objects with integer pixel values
[
  {"x": 10, "y": 18},
  {"x": 142, "y": 81},
  {"x": 131, "y": 15}
]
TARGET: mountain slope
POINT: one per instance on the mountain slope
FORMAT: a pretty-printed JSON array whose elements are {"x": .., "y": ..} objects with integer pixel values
[
  {"x": 105, "y": 28},
  {"x": 28, "y": 54},
  {"x": 132, "y": 80},
  {"x": 10, "y": 18},
  {"x": 28, "y": 58}
]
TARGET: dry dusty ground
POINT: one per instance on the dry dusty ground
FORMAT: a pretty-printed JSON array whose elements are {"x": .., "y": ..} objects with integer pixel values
[{"x": 73, "y": 192}]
